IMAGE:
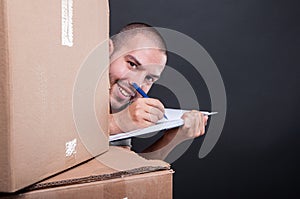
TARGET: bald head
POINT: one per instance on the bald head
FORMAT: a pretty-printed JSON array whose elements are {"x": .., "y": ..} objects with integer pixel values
[{"x": 135, "y": 36}]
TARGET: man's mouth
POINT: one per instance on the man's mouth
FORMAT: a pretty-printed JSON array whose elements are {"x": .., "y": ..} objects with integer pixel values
[{"x": 125, "y": 92}]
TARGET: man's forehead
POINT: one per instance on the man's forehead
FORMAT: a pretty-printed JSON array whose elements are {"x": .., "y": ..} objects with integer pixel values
[
  {"x": 140, "y": 41},
  {"x": 148, "y": 56}
]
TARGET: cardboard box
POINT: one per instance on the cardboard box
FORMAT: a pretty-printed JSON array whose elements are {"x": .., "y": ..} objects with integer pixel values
[
  {"x": 49, "y": 72},
  {"x": 130, "y": 176}
]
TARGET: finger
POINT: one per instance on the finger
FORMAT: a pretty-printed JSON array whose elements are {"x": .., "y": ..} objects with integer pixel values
[
  {"x": 155, "y": 103},
  {"x": 205, "y": 118},
  {"x": 187, "y": 120},
  {"x": 145, "y": 124},
  {"x": 144, "y": 115},
  {"x": 151, "y": 118},
  {"x": 196, "y": 129},
  {"x": 191, "y": 124},
  {"x": 155, "y": 111},
  {"x": 203, "y": 123},
  {"x": 198, "y": 123},
  {"x": 202, "y": 129}
]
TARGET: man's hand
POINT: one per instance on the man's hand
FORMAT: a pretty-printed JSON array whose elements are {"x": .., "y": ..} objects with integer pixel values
[
  {"x": 194, "y": 125},
  {"x": 146, "y": 111},
  {"x": 142, "y": 113}
]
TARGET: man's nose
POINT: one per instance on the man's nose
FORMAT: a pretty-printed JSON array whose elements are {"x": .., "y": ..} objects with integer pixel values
[{"x": 138, "y": 79}]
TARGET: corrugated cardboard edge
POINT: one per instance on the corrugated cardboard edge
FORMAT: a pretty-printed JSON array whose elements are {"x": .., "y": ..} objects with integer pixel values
[
  {"x": 135, "y": 165},
  {"x": 156, "y": 184},
  {"x": 121, "y": 159},
  {"x": 5, "y": 157},
  {"x": 96, "y": 178}
]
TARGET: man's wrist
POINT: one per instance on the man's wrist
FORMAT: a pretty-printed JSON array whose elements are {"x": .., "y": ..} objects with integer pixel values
[{"x": 170, "y": 134}]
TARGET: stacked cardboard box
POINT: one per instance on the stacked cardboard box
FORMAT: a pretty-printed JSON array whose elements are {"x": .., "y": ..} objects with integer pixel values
[
  {"x": 54, "y": 105},
  {"x": 118, "y": 173},
  {"x": 43, "y": 51}
]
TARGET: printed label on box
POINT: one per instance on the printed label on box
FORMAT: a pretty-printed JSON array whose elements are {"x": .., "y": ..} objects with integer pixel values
[
  {"x": 71, "y": 147},
  {"x": 67, "y": 23}
]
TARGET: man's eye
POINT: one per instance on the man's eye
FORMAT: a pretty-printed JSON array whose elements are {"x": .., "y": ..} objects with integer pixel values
[
  {"x": 149, "y": 79},
  {"x": 132, "y": 64}
]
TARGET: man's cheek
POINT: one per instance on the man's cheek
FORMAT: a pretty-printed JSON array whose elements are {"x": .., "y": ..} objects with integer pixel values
[
  {"x": 119, "y": 74},
  {"x": 114, "y": 76},
  {"x": 112, "y": 80}
]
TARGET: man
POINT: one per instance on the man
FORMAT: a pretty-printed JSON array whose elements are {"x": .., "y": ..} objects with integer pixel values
[{"x": 138, "y": 54}]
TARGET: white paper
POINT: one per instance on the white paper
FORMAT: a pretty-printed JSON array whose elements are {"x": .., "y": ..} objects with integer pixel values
[{"x": 174, "y": 120}]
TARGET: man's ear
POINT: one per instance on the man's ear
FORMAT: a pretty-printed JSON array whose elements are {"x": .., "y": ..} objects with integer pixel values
[{"x": 111, "y": 47}]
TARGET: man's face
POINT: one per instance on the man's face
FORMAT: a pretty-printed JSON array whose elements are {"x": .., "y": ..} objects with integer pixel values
[{"x": 142, "y": 67}]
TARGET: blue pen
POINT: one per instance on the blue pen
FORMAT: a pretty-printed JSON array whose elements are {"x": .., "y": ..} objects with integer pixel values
[{"x": 140, "y": 91}]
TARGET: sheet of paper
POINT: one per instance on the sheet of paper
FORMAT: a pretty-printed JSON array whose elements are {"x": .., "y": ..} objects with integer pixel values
[{"x": 174, "y": 120}]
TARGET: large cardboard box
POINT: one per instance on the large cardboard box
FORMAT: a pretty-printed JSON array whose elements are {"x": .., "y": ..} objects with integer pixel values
[
  {"x": 129, "y": 176},
  {"x": 53, "y": 56}
]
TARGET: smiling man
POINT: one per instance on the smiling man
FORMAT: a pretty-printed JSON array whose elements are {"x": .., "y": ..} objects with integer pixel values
[{"x": 138, "y": 54}]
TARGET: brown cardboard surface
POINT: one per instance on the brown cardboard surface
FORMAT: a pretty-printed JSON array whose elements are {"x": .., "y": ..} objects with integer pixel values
[
  {"x": 122, "y": 159},
  {"x": 114, "y": 163},
  {"x": 96, "y": 179},
  {"x": 154, "y": 185},
  {"x": 5, "y": 162},
  {"x": 37, "y": 80}
]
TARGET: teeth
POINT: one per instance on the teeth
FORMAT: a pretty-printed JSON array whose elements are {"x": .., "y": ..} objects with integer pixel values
[{"x": 124, "y": 92}]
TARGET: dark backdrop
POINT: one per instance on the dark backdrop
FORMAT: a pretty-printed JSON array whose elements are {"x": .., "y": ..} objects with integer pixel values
[{"x": 256, "y": 46}]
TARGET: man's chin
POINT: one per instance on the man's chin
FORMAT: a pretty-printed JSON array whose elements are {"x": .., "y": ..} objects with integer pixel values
[{"x": 116, "y": 107}]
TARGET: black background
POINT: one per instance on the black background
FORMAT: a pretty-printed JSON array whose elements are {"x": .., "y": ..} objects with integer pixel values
[{"x": 256, "y": 46}]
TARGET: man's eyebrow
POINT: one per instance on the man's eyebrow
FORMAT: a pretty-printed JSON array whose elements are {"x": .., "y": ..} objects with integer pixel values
[
  {"x": 139, "y": 64},
  {"x": 134, "y": 59}
]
